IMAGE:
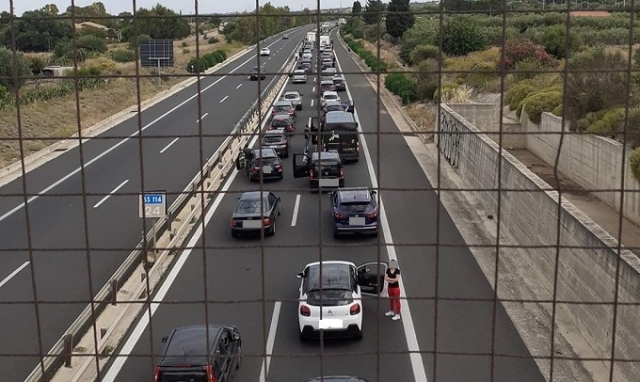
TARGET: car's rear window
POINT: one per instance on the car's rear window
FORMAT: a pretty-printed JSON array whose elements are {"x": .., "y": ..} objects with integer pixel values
[
  {"x": 181, "y": 376},
  {"x": 282, "y": 107},
  {"x": 290, "y": 96},
  {"x": 334, "y": 108},
  {"x": 330, "y": 96},
  {"x": 273, "y": 138},
  {"x": 280, "y": 123},
  {"x": 330, "y": 297},
  {"x": 332, "y": 166},
  {"x": 355, "y": 207}
]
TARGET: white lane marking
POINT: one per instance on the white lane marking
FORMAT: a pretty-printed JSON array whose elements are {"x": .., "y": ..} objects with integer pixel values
[
  {"x": 169, "y": 145},
  {"x": 271, "y": 339},
  {"x": 313, "y": 90},
  {"x": 309, "y": 123},
  {"x": 312, "y": 102},
  {"x": 238, "y": 87},
  {"x": 122, "y": 142},
  {"x": 224, "y": 99},
  {"x": 203, "y": 117},
  {"x": 313, "y": 80},
  {"x": 296, "y": 207},
  {"x": 13, "y": 274},
  {"x": 110, "y": 194},
  {"x": 137, "y": 332},
  {"x": 419, "y": 371}
]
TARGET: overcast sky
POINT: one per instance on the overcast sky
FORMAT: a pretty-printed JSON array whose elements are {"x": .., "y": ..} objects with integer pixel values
[{"x": 186, "y": 6}]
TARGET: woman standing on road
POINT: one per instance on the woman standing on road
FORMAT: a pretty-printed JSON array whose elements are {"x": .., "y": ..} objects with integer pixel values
[{"x": 392, "y": 277}]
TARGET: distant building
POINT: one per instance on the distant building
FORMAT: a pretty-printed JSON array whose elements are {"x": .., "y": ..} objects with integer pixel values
[{"x": 56, "y": 71}]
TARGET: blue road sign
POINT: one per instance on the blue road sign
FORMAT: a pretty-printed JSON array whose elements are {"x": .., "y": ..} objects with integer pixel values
[{"x": 153, "y": 198}]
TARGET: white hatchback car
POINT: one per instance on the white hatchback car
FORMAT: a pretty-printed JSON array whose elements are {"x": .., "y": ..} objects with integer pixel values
[
  {"x": 265, "y": 52},
  {"x": 329, "y": 96},
  {"x": 330, "y": 301}
]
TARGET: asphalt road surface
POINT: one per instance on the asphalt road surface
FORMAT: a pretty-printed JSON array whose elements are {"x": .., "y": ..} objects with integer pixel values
[
  {"x": 57, "y": 232},
  {"x": 256, "y": 289}
]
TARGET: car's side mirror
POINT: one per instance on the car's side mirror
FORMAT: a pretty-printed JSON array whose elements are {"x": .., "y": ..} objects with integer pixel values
[
  {"x": 374, "y": 192},
  {"x": 237, "y": 197},
  {"x": 165, "y": 339},
  {"x": 301, "y": 94},
  {"x": 300, "y": 275},
  {"x": 367, "y": 269},
  {"x": 236, "y": 336}
]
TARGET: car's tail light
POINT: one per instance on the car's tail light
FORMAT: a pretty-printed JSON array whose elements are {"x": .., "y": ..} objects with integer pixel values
[
  {"x": 211, "y": 377},
  {"x": 338, "y": 215},
  {"x": 344, "y": 143},
  {"x": 341, "y": 172},
  {"x": 266, "y": 221},
  {"x": 156, "y": 377},
  {"x": 311, "y": 174},
  {"x": 355, "y": 309},
  {"x": 255, "y": 170},
  {"x": 372, "y": 215},
  {"x": 305, "y": 311},
  {"x": 278, "y": 167},
  {"x": 234, "y": 223}
]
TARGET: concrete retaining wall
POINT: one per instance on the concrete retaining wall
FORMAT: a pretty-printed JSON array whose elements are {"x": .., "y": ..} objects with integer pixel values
[
  {"x": 486, "y": 117},
  {"x": 591, "y": 161},
  {"x": 587, "y": 260}
]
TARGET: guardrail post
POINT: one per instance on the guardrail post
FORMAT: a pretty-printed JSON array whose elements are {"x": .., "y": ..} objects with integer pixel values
[
  {"x": 68, "y": 349},
  {"x": 113, "y": 285}
]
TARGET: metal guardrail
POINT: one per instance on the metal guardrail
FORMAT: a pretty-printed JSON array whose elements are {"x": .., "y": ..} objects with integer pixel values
[{"x": 54, "y": 359}]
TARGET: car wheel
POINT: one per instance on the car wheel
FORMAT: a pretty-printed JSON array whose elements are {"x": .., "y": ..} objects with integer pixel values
[
  {"x": 234, "y": 234},
  {"x": 336, "y": 234},
  {"x": 272, "y": 230},
  {"x": 359, "y": 336},
  {"x": 286, "y": 154},
  {"x": 239, "y": 356}
]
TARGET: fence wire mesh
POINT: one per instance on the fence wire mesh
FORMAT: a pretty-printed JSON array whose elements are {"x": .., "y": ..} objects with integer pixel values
[{"x": 501, "y": 139}]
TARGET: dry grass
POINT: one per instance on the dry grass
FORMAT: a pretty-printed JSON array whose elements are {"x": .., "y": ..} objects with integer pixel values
[
  {"x": 388, "y": 53},
  {"x": 423, "y": 115},
  {"x": 47, "y": 122}
]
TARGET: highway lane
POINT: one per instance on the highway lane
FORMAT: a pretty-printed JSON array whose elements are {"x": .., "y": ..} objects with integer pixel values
[
  {"x": 236, "y": 271},
  {"x": 57, "y": 221}
]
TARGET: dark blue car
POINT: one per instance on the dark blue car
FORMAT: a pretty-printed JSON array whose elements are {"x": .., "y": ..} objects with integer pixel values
[{"x": 354, "y": 211}]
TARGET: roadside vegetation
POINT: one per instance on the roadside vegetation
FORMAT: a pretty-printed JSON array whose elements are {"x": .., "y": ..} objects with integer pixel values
[
  {"x": 530, "y": 71},
  {"x": 104, "y": 49}
]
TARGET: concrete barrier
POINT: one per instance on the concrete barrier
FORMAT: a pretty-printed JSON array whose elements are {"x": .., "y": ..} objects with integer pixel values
[{"x": 592, "y": 273}]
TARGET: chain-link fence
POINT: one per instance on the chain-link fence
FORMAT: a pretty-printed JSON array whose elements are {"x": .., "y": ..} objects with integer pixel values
[{"x": 454, "y": 184}]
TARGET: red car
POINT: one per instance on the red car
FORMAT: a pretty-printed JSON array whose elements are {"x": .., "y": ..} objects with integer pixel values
[{"x": 282, "y": 122}]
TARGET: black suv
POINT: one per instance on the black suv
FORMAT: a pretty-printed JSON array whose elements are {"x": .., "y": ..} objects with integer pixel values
[
  {"x": 256, "y": 73},
  {"x": 188, "y": 355},
  {"x": 324, "y": 169},
  {"x": 258, "y": 163}
]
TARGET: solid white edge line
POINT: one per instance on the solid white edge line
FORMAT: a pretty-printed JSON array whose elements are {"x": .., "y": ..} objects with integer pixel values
[
  {"x": 104, "y": 199},
  {"x": 137, "y": 332},
  {"x": 112, "y": 148},
  {"x": 169, "y": 145},
  {"x": 417, "y": 364},
  {"x": 224, "y": 99},
  {"x": 13, "y": 274},
  {"x": 271, "y": 339},
  {"x": 294, "y": 220}
]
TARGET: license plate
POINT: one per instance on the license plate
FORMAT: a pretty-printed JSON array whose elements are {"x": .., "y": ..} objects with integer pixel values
[
  {"x": 332, "y": 323},
  {"x": 252, "y": 224},
  {"x": 266, "y": 169},
  {"x": 329, "y": 182},
  {"x": 356, "y": 221}
]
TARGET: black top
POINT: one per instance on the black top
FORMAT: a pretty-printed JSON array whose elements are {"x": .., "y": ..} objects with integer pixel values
[{"x": 392, "y": 275}]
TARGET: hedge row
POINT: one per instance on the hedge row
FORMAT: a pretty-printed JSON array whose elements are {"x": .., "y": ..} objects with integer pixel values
[
  {"x": 372, "y": 61},
  {"x": 204, "y": 62},
  {"x": 400, "y": 85}
]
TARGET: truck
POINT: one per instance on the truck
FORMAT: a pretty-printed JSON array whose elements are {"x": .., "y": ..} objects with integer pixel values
[
  {"x": 339, "y": 132},
  {"x": 325, "y": 40},
  {"x": 342, "y": 21},
  {"x": 311, "y": 37}
]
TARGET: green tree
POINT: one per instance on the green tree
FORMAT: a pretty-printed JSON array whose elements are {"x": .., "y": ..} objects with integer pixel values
[
  {"x": 373, "y": 11},
  {"x": 424, "y": 31},
  {"x": 7, "y": 65},
  {"x": 356, "y": 9},
  {"x": 51, "y": 9},
  {"x": 461, "y": 36},
  {"x": 555, "y": 41},
  {"x": 399, "y": 18},
  {"x": 37, "y": 31}
]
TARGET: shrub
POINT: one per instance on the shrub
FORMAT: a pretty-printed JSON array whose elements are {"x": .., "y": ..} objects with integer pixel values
[
  {"x": 609, "y": 121},
  {"x": 461, "y": 36},
  {"x": 199, "y": 65},
  {"x": 555, "y": 41},
  {"x": 423, "y": 52},
  {"x": 527, "y": 69},
  {"x": 91, "y": 43},
  {"x": 427, "y": 79},
  {"x": 481, "y": 74},
  {"x": 213, "y": 40},
  {"x": 525, "y": 50},
  {"x": 518, "y": 93},
  {"x": 400, "y": 85},
  {"x": 123, "y": 55},
  {"x": 634, "y": 163},
  {"x": 444, "y": 91},
  {"x": 222, "y": 53},
  {"x": 540, "y": 102},
  {"x": 134, "y": 42},
  {"x": 184, "y": 44},
  {"x": 7, "y": 64},
  {"x": 36, "y": 64}
]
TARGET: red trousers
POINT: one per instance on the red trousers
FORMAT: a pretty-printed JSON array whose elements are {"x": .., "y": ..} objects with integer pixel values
[{"x": 394, "y": 299}]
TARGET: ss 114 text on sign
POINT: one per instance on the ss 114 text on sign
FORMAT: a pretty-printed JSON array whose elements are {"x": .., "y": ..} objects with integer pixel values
[{"x": 153, "y": 205}]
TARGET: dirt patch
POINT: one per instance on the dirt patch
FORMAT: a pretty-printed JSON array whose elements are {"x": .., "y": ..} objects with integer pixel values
[
  {"x": 423, "y": 115},
  {"x": 389, "y": 53},
  {"x": 44, "y": 123}
]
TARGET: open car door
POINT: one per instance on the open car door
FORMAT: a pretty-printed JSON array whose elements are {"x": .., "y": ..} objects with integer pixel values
[
  {"x": 371, "y": 278},
  {"x": 300, "y": 165},
  {"x": 351, "y": 107}
]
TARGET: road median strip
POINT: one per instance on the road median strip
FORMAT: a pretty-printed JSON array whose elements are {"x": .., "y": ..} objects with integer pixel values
[{"x": 117, "y": 305}]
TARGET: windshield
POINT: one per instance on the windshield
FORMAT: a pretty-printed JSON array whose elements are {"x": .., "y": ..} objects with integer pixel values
[
  {"x": 355, "y": 207},
  {"x": 273, "y": 139},
  {"x": 280, "y": 123},
  {"x": 330, "y": 297},
  {"x": 181, "y": 376},
  {"x": 290, "y": 96},
  {"x": 251, "y": 206}
]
